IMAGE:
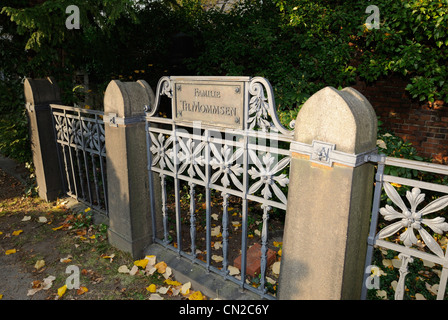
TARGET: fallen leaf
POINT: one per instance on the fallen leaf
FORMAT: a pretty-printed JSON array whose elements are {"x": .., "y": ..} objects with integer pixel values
[
  {"x": 175, "y": 291},
  {"x": 141, "y": 263},
  {"x": 42, "y": 219},
  {"x": 57, "y": 228},
  {"x": 186, "y": 288},
  {"x": 151, "y": 271},
  {"x": 168, "y": 273},
  {"x": 7, "y": 252},
  {"x": 278, "y": 244},
  {"x": 61, "y": 290},
  {"x": 151, "y": 260},
  {"x": 214, "y": 216},
  {"x": 26, "y": 218},
  {"x": 1, "y": 296},
  {"x": 48, "y": 282},
  {"x": 276, "y": 267},
  {"x": 270, "y": 280},
  {"x": 163, "y": 290},
  {"x": 382, "y": 294},
  {"x": 419, "y": 296},
  {"x": 123, "y": 269},
  {"x": 217, "y": 258},
  {"x": 233, "y": 270},
  {"x": 111, "y": 257},
  {"x": 33, "y": 291},
  {"x": 39, "y": 264},
  {"x": 155, "y": 296},
  {"x": 81, "y": 290},
  {"x": 215, "y": 231},
  {"x": 217, "y": 245},
  {"x": 172, "y": 282},
  {"x": 161, "y": 267},
  {"x": 197, "y": 295},
  {"x": 66, "y": 259},
  {"x": 87, "y": 210},
  {"x": 151, "y": 288},
  {"x": 17, "y": 232},
  {"x": 133, "y": 271}
]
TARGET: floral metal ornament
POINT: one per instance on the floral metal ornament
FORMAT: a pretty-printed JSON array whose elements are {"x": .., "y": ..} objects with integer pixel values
[
  {"x": 191, "y": 156},
  {"x": 258, "y": 108},
  {"x": 160, "y": 148},
  {"x": 411, "y": 219},
  {"x": 224, "y": 161},
  {"x": 266, "y": 175}
]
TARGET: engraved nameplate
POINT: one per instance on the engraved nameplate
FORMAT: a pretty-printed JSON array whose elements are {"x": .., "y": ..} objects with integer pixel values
[{"x": 217, "y": 103}]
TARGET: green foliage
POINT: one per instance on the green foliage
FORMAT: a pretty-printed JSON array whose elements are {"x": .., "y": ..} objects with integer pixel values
[{"x": 301, "y": 46}]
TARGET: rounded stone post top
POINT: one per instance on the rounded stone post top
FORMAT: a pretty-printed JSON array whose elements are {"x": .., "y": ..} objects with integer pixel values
[
  {"x": 341, "y": 117},
  {"x": 127, "y": 99},
  {"x": 41, "y": 91}
]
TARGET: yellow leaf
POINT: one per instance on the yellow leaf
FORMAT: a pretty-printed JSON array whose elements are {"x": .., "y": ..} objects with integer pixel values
[
  {"x": 197, "y": 295},
  {"x": 17, "y": 232},
  {"x": 62, "y": 290},
  {"x": 172, "y": 282},
  {"x": 10, "y": 251},
  {"x": 87, "y": 210},
  {"x": 141, "y": 263},
  {"x": 1, "y": 296},
  {"x": 277, "y": 244},
  {"x": 161, "y": 267},
  {"x": 151, "y": 288},
  {"x": 57, "y": 228},
  {"x": 279, "y": 252},
  {"x": 92, "y": 237}
]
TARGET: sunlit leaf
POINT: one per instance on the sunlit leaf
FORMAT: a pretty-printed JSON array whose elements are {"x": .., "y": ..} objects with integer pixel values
[
  {"x": 151, "y": 288},
  {"x": 17, "y": 232},
  {"x": 10, "y": 251},
  {"x": 172, "y": 282},
  {"x": 197, "y": 295},
  {"x": 61, "y": 290},
  {"x": 161, "y": 267}
]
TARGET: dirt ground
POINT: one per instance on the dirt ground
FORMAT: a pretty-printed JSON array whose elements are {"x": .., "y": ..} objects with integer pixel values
[{"x": 41, "y": 243}]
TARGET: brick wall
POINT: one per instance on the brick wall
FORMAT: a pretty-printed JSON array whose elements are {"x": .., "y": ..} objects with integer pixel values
[{"x": 425, "y": 125}]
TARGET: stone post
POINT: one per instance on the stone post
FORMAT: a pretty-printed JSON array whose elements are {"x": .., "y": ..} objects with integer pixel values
[
  {"x": 329, "y": 197},
  {"x": 127, "y": 177},
  {"x": 39, "y": 94}
]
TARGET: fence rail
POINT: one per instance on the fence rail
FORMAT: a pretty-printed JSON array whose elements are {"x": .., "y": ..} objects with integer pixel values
[
  {"x": 405, "y": 227},
  {"x": 82, "y": 154},
  {"x": 243, "y": 169}
]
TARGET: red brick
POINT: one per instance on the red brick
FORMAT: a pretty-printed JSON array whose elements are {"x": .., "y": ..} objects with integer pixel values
[{"x": 254, "y": 259}]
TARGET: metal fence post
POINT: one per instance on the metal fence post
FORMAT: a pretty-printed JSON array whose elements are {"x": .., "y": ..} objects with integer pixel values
[
  {"x": 39, "y": 93},
  {"x": 127, "y": 179},
  {"x": 329, "y": 197}
]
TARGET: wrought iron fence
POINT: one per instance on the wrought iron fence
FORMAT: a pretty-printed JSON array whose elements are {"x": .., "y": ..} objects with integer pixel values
[
  {"x": 213, "y": 189},
  {"x": 407, "y": 233},
  {"x": 82, "y": 155}
]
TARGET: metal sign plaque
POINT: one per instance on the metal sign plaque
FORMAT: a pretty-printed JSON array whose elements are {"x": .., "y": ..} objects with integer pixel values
[{"x": 218, "y": 103}]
